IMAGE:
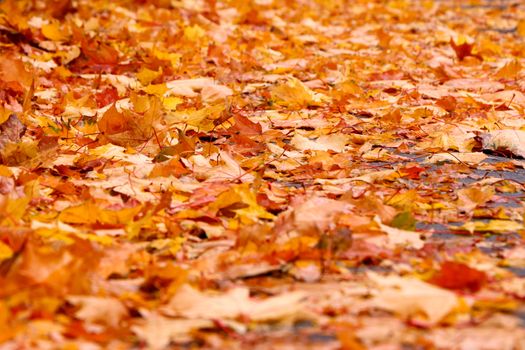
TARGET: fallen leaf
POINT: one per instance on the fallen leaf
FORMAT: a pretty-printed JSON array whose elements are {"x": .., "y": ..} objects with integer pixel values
[
  {"x": 409, "y": 296},
  {"x": 104, "y": 310},
  {"x": 472, "y": 197},
  {"x": 215, "y": 93},
  {"x": 11, "y": 131},
  {"x": 505, "y": 142},
  {"x": 312, "y": 215},
  {"x": 496, "y": 226},
  {"x": 293, "y": 93},
  {"x": 334, "y": 142},
  {"x": 456, "y": 157},
  {"x": 191, "y": 303},
  {"x": 158, "y": 331},
  {"x": 401, "y": 237},
  {"x": 509, "y": 70},
  {"x": 463, "y": 49},
  {"x": 458, "y": 276}
]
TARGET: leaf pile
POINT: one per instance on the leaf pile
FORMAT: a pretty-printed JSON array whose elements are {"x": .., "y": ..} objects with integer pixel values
[{"x": 219, "y": 174}]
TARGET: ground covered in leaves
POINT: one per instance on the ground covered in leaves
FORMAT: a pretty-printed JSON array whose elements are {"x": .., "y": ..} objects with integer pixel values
[{"x": 266, "y": 174}]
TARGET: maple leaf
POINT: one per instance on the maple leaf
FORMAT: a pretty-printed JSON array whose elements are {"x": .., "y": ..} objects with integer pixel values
[
  {"x": 191, "y": 303},
  {"x": 470, "y": 198},
  {"x": 335, "y": 142},
  {"x": 408, "y": 296},
  {"x": 203, "y": 173},
  {"x": 293, "y": 93},
  {"x": 13, "y": 73},
  {"x": 91, "y": 213},
  {"x": 509, "y": 70},
  {"x": 454, "y": 275},
  {"x": 464, "y": 50},
  {"x": 158, "y": 331},
  {"x": 250, "y": 211},
  {"x": 98, "y": 309},
  {"x": 57, "y": 269},
  {"x": 127, "y": 127}
]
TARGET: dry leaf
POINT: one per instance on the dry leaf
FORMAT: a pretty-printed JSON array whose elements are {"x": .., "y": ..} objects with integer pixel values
[
  {"x": 158, "y": 331},
  {"x": 334, "y": 143},
  {"x": 505, "y": 142},
  {"x": 190, "y": 303},
  {"x": 409, "y": 296},
  {"x": 99, "y": 309}
]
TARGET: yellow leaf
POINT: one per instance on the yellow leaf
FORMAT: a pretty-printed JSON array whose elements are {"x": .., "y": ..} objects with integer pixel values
[
  {"x": 504, "y": 305},
  {"x": 171, "y": 245},
  {"x": 487, "y": 45},
  {"x": 174, "y": 58},
  {"x": 12, "y": 210},
  {"x": 4, "y": 114},
  {"x": 298, "y": 244},
  {"x": 405, "y": 200},
  {"x": 156, "y": 89},
  {"x": 495, "y": 226},
  {"x": 5, "y": 251},
  {"x": 293, "y": 93},
  {"x": 104, "y": 240},
  {"x": 250, "y": 212},
  {"x": 141, "y": 103},
  {"x": 193, "y": 33},
  {"x": 133, "y": 228},
  {"x": 171, "y": 103},
  {"x": 146, "y": 76},
  {"x": 81, "y": 214},
  {"x": 199, "y": 119},
  {"x": 52, "y": 31},
  {"x": 91, "y": 213},
  {"x": 118, "y": 217}
]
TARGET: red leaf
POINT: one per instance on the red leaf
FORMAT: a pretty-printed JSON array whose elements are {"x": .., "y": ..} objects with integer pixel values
[
  {"x": 106, "y": 97},
  {"x": 454, "y": 275},
  {"x": 464, "y": 50}
]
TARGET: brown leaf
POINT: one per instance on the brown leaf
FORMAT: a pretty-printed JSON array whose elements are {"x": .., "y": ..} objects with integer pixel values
[{"x": 11, "y": 131}]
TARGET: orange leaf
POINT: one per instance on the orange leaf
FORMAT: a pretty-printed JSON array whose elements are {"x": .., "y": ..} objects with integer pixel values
[{"x": 454, "y": 275}]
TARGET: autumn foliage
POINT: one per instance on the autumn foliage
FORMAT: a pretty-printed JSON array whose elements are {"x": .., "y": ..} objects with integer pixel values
[{"x": 267, "y": 174}]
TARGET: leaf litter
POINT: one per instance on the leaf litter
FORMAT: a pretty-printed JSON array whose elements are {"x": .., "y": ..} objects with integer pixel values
[{"x": 267, "y": 174}]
